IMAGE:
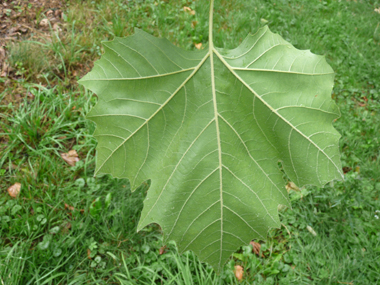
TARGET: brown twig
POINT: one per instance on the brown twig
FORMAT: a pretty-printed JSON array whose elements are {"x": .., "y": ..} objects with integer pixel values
[
  {"x": 32, "y": 29},
  {"x": 9, "y": 38}
]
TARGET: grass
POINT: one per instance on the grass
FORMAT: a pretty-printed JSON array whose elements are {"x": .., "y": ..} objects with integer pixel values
[{"x": 67, "y": 227}]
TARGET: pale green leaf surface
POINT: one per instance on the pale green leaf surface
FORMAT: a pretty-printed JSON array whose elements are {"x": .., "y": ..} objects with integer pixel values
[{"x": 209, "y": 128}]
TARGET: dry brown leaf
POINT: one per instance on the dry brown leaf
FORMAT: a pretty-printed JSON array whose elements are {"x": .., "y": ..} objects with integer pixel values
[
  {"x": 44, "y": 23},
  {"x": 15, "y": 16},
  {"x": 346, "y": 169},
  {"x": 14, "y": 190},
  {"x": 89, "y": 253},
  {"x": 5, "y": 69},
  {"x": 239, "y": 272},
  {"x": 68, "y": 207},
  {"x": 198, "y": 46},
  {"x": 162, "y": 249},
  {"x": 255, "y": 247},
  {"x": 53, "y": 20},
  {"x": 73, "y": 153},
  {"x": 71, "y": 208},
  {"x": 71, "y": 157},
  {"x": 2, "y": 53},
  {"x": 292, "y": 186},
  {"x": 189, "y": 10},
  {"x": 56, "y": 27},
  {"x": 58, "y": 13}
]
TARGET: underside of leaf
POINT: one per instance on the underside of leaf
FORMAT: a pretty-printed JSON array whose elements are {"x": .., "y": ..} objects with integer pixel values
[{"x": 209, "y": 129}]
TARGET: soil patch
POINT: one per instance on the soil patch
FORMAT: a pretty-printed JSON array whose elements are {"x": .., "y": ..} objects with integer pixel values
[{"x": 25, "y": 19}]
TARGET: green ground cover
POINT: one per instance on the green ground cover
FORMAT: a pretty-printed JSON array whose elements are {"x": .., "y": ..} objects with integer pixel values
[{"x": 67, "y": 227}]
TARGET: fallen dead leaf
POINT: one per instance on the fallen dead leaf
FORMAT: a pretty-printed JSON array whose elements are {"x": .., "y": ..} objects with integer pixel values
[
  {"x": 189, "y": 10},
  {"x": 14, "y": 190},
  {"x": 292, "y": 186},
  {"x": 56, "y": 27},
  {"x": 53, "y": 20},
  {"x": 2, "y": 53},
  {"x": 58, "y": 13},
  {"x": 73, "y": 153},
  {"x": 255, "y": 247},
  {"x": 346, "y": 169},
  {"x": 162, "y": 249},
  {"x": 89, "y": 253},
  {"x": 4, "y": 70},
  {"x": 71, "y": 157},
  {"x": 71, "y": 209},
  {"x": 68, "y": 207},
  {"x": 198, "y": 46},
  {"x": 44, "y": 23},
  {"x": 377, "y": 10},
  {"x": 15, "y": 16},
  {"x": 239, "y": 272}
]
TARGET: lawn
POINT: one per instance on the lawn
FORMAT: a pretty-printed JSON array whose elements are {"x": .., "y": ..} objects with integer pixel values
[{"x": 68, "y": 227}]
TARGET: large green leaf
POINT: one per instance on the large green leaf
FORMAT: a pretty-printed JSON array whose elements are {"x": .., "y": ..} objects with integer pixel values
[{"x": 209, "y": 128}]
